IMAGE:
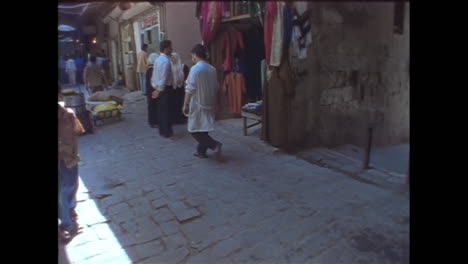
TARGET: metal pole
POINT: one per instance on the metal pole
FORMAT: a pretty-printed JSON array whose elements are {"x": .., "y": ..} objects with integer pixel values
[{"x": 368, "y": 149}]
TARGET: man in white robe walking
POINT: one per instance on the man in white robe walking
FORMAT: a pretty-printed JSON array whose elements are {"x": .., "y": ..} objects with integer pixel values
[{"x": 200, "y": 96}]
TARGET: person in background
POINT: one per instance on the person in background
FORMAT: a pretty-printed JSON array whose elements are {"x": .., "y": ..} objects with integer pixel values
[
  {"x": 68, "y": 158},
  {"x": 62, "y": 72},
  {"x": 180, "y": 72},
  {"x": 94, "y": 77},
  {"x": 80, "y": 64},
  {"x": 142, "y": 63},
  {"x": 152, "y": 102},
  {"x": 200, "y": 97},
  {"x": 162, "y": 81},
  {"x": 70, "y": 68}
]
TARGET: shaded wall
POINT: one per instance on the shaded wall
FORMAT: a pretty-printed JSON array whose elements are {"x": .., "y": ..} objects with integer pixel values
[
  {"x": 182, "y": 28},
  {"x": 357, "y": 68}
]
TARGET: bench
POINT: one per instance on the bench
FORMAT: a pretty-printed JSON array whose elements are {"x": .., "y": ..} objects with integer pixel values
[{"x": 247, "y": 115}]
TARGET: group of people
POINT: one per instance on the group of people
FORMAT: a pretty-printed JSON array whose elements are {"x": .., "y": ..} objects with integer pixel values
[
  {"x": 94, "y": 74},
  {"x": 201, "y": 87},
  {"x": 174, "y": 93}
]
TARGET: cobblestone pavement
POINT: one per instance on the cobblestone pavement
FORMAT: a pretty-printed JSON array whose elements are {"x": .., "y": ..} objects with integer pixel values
[{"x": 145, "y": 199}]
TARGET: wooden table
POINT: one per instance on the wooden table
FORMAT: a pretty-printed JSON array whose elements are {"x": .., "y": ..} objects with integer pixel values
[{"x": 247, "y": 115}]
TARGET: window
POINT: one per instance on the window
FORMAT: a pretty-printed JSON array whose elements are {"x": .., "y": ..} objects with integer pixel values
[{"x": 398, "y": 17}]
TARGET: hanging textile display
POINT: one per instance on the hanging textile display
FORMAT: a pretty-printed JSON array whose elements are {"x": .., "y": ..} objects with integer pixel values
[
  {"x": 271, "y": 11},
  {"x": 301, "y": 37},
  {"x": 231, "y": 42},
  {"x": 277, "y": 38},
  {"x": 234, "y": 87},
  {"x": 211, "y": 18},
  {"x": 276, "y": 100}
]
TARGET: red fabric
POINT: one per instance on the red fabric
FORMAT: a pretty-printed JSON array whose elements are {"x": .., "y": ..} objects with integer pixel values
[
  {"x": 231, "y": 41},
  {"x": 211, "y": 18},
  {"x": 234, "y": 86},
  {"x": 271, "y": 11}
]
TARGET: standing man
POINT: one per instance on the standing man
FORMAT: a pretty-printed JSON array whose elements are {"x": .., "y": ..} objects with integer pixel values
[
  {"x": 94, "y": 77},
  {"x": 68, "y": 158},
  {"x": 70, "y": 68},
  {"x": 162, "y": 82},
  {"x": 152, "y": 103},
  {"x": 200, "y": 96},
  {"x": 141, "y": 67}
]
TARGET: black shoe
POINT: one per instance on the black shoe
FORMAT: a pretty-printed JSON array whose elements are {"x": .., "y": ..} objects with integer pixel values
[
  {"x": 201, "y": 156},
  {"x": 217, "y": 150}
]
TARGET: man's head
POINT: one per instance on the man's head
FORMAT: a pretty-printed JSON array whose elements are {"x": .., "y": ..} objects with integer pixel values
[
  {"x": 198, "y": 53},
  {"x": 144, "y": 47},
  {"x": 166, "y": 47}
]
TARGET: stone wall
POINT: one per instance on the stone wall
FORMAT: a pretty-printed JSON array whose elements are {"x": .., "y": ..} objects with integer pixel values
[{"x": 357, "y": 70}]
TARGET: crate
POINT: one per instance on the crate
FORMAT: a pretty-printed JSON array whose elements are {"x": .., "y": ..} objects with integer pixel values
[{"x": 106, "y": 115}]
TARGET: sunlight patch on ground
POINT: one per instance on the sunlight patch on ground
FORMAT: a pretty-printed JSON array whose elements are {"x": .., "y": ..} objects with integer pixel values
[{"x": 96, "y": 243}]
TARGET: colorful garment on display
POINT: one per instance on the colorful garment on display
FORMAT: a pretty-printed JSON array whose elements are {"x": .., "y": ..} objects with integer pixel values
[
  {"x": 278, "y": 35},
  {"x": 231, "y": 42},
  {"x": 271, "y": 11},
  {"x": 234, "y": 87},
  {"x": 301, "y": 34},
  {"x": 211, "y": 18}
]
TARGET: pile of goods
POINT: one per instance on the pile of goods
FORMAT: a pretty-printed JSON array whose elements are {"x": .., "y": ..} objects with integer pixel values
[
  {"x": 104, "y": 106},
  {"x": 254, "y": 108}
]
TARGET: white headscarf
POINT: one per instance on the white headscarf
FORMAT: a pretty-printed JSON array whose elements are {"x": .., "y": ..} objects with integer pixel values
[{"x": 177, "y": 70}]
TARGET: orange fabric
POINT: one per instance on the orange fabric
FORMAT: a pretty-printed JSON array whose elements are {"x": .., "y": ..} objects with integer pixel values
[
  {"x": 234, "y": 86},
  {"x": 231, "y": 41}
]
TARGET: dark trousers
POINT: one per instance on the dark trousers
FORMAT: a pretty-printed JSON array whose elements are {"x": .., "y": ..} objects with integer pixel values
[
  {"x": 152, "y": 110},
  {"x": 204, "y": 142},
  {"x": 177, "y": 103},
  {"x": 165, "y": 113}
]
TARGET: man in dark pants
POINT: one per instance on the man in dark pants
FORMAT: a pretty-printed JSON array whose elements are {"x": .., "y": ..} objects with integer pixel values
[
  {"x": 152, "y": 103},
  {"x": 200, "y": 94},
  {"x": 162, "y": 82}
]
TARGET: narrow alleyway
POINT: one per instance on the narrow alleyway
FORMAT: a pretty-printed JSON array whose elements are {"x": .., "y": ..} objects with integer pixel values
[{"x": 145, "y": 199}]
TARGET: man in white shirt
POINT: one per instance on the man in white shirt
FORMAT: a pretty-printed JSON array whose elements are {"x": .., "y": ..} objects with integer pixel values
[
  {"x": 70, "y": 68},
  {"x": 162, "y": 82},
  {"x": 200, "y": 97}
]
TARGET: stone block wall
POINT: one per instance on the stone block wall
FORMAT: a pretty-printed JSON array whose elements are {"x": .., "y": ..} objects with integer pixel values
[{"x": 357, "y": 68}]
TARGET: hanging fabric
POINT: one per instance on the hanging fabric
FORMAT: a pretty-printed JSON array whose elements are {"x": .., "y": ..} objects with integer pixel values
[
  {"x": 278, "y": 35},
  {"x": 211, "y": 18},
  {"x": 234, "y": 87},
  {"x": 231, "y": 42},
  {"x": 301, "y": 34},
  {"x": 271, "y": 11}
]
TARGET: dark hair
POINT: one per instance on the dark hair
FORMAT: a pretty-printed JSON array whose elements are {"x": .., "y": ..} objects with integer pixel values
[
  {"x": 200, "y": 51},
  {"x": 164, "y": 44},
  {"x": 92, "y": 58},
  {"x": 144, "y": 46}
]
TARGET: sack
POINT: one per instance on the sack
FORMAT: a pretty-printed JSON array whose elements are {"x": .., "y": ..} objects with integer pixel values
[{"x": 107, "y": 109}]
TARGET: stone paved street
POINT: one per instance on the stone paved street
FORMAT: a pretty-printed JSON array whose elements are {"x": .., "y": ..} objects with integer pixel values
[{"x": 145, "y": 199}]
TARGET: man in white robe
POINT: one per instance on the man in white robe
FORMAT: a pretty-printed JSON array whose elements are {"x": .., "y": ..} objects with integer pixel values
[{"x": 200, "y": 96}]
